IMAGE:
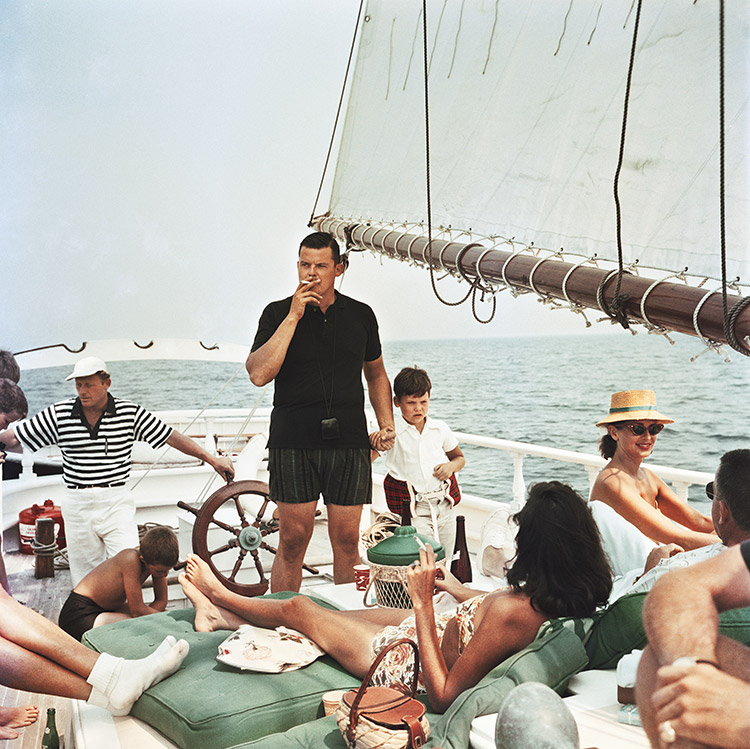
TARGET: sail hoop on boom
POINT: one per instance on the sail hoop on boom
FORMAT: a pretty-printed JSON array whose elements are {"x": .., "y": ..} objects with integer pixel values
[{"x": 655, "y": 303}]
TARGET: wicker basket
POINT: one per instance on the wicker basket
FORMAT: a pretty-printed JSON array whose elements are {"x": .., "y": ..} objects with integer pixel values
[{"x": 389, "y": 582}]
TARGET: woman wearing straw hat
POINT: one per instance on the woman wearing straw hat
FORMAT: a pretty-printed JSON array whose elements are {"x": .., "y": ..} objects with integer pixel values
[{"x": 635, "y": 509}]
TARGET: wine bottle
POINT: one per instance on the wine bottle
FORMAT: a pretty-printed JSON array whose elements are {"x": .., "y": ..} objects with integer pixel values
[
  {"x": 461, "y": 564},
  {"x": 50, "y": 739},
  {"x": 406, "y": 512}
]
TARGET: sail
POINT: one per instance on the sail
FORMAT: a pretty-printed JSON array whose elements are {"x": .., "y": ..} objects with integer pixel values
[{"x": 526, "y": 105}]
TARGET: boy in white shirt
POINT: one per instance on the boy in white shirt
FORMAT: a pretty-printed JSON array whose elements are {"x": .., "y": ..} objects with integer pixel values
[{"x": 423, "y": 461}]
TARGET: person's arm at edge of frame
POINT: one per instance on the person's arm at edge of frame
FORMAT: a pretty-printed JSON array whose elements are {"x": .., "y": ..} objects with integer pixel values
[
  {"x": 681, "y": 613},
  {"x": 221, "y": 464},
  {"x": 379, "y": 392}
]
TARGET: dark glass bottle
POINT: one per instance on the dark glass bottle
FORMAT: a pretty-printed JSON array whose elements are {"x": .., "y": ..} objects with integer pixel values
[
  {"x": 461, "y": 564},
  {"x": 405, "y": 512},
  {"x": 50, "y": 739}
]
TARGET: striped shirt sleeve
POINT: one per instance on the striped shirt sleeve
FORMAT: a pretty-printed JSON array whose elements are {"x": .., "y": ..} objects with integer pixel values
[
  {"x": 40, "y": 430},
  {"x": 148, "y": 428}
]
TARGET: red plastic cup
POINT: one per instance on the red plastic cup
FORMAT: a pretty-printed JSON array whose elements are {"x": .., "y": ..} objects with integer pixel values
[{"x": 361, "y": 576}]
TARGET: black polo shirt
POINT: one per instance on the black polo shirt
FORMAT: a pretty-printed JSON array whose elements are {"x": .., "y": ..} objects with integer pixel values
[{"x": 321, "y": 376}]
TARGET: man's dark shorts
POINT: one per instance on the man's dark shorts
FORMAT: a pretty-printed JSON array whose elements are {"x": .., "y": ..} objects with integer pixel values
[
  {"x": 78, "y": 614},
  {"x": 343, "y": 475}
]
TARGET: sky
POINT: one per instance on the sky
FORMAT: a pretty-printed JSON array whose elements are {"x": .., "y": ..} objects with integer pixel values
[{"x": 160, "y": 163}]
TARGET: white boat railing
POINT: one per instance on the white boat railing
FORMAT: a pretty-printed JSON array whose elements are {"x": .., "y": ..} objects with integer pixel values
[
  {"x": 681, "y": 479},
  {"x": 225, "y": 422}
]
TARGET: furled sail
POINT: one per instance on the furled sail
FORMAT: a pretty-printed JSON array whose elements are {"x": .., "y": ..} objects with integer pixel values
[{"x": 526, "y": 110}]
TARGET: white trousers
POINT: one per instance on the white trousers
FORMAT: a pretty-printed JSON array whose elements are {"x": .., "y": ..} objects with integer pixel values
[
  {"x": 99, "y": 523},
  {"x": 436, "y": 520}
]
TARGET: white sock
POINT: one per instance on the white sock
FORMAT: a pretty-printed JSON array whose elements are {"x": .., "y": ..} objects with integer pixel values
[
  {"x": 105, "y": 673},
  {"x": 98, "y": 698},
  {"x": 135, "y": 677}
]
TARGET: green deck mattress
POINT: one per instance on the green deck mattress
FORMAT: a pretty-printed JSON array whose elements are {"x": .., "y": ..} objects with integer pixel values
[{"x": 207, "y": 705}]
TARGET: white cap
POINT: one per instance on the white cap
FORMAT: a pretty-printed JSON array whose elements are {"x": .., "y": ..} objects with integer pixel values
[{"x": 89, "y": 365}]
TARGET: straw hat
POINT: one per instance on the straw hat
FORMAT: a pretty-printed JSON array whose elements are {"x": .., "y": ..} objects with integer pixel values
[
  {"x": 89, "y": 365},
  {"x": 631, "y": 405}
]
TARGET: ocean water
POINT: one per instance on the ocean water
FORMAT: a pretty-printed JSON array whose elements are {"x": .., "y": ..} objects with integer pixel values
[{"x": 545, "y": 390}]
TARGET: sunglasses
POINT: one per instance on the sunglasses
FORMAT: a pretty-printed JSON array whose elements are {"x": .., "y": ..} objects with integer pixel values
[
  {"x": 639, "y": 429},
  {"x": 710, "y": 490}
]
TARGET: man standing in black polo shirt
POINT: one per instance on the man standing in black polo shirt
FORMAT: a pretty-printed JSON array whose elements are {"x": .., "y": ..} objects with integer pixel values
[
  {"x": 95, "y": 433},
  {"x": 315, "y": 345}
]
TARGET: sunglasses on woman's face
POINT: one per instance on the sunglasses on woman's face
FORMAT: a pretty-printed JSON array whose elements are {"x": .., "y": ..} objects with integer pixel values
[
  {"x": 710, "y": 489},
  {"x": 639, "y": 429}
]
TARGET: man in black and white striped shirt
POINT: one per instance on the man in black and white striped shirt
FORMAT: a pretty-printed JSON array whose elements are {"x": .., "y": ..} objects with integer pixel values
[{"x": 95, "y": 433}]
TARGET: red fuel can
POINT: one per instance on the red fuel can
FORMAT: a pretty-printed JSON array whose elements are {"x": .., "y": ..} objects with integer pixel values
[{"x": 27, "y": 524}]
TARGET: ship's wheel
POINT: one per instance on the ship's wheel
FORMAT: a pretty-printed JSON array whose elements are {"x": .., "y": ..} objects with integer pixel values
[{"x": 230, "y": 528}]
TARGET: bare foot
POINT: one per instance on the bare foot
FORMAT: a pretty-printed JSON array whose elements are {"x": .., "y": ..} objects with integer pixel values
[
  {"x": 7, "y": 733},
  {"x": 208, "y": 617},
  {"x": 18, "y": 717},
  {"x": 201, "y": 576}
]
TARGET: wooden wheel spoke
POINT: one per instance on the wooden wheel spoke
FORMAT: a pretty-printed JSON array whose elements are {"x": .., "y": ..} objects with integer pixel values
[
  {"x": 225, "y": 526},
  {"x": 222, "y": 549},
  {"x": 258, "y": 564},
  {"x": 240, "y": 510},
  {"x": 262, "y": 511},
  {"x": 238, "y": 564}
]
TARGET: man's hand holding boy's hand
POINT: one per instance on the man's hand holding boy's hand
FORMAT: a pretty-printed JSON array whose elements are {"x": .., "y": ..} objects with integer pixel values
[{"x": 383, "y": 439}]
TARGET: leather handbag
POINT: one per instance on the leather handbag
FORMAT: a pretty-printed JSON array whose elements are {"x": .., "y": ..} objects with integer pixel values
[{"x": 383, "y": 717}]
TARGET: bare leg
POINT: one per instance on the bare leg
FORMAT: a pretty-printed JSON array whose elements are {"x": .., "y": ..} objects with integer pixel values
[
  {"x": 18, "y": 717},
  {"x": 109, "y": 617},
  {"x": 3, "y": 574},
  {"x": 343, "y": 635},
  {"x": 32, "y": 632},
  {"x": 208, "y": 616},
  {"x": 343, "y": 531},
  {"x": 37, "y": 656},
  {"x": 27, "y": 671},
  {"x": 296, "y": 523}
]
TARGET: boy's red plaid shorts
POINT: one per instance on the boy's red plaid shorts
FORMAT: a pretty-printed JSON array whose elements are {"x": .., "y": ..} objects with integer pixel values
[{"x": 397, "y": 492}]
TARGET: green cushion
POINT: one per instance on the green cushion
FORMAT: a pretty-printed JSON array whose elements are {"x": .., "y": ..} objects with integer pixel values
[
  {"x": 320, "y": 734},
  {"x": 207, "y": 705},
  {"x": 619, "y": 630},
  {"x": 551, "y": 659}
]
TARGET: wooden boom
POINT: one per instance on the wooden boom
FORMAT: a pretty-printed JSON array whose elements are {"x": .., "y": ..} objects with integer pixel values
[{"x": 668, "y": 305}]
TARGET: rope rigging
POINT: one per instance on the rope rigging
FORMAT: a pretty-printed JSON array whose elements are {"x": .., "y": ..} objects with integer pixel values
[
  {"x": 617, "y": 309},
  {"x": 729, "y": 317},
  {"x": 338, "y": 113}
]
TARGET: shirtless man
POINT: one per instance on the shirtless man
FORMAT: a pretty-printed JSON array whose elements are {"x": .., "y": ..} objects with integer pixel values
[{"x": 113, "y": 590}]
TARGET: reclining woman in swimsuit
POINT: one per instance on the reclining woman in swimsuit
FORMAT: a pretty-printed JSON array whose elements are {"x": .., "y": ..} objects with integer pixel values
[{"x": 559, "y": 570}]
